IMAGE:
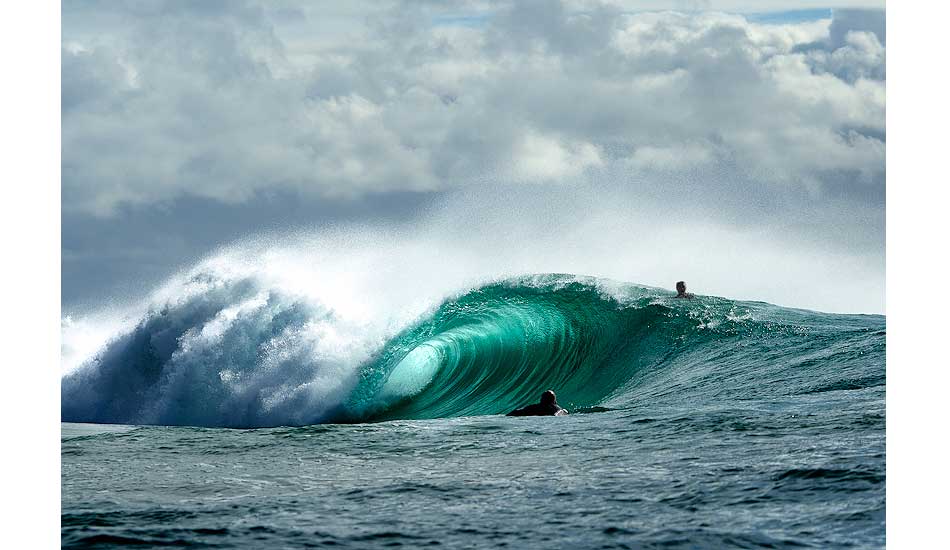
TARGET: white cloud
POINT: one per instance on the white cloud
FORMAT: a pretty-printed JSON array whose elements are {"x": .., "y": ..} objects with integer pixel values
[
  {"x": 540, "y": 157},
  {"x": 165, "y": 100}
]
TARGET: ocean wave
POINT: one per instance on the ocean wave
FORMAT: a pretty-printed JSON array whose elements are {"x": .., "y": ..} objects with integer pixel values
[{"x": 236, "y": 350}]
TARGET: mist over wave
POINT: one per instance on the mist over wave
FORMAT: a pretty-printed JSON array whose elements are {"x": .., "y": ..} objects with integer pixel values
[
  {"x": 263, "y": 336},
  {"x": 356, "y": 323}
]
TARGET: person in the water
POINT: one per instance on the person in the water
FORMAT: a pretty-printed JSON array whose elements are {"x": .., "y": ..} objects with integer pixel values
[
  {"x": 681, "y": 290},
  {"x": 547, "y": 407}
]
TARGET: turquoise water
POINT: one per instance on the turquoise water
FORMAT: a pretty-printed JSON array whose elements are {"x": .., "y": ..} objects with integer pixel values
[{"x": 225, "y": 418}]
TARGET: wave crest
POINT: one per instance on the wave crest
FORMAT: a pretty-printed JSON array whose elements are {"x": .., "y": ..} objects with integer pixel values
[
  {"x": 229, "y": 352},
  {"x": 236, "y": 351}
]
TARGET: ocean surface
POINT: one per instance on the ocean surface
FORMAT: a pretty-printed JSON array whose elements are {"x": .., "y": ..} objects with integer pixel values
[{"x": 233, "y": 414}]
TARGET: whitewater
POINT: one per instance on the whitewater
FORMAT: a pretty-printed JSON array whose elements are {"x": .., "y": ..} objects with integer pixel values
[{"x": 274, "y": 397}]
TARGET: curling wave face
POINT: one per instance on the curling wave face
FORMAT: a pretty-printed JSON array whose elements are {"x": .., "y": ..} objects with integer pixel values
[{"x": 237, "y": 351}]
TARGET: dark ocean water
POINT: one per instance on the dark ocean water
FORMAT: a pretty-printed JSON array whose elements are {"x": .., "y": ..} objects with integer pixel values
[{"x": 704, "y": 423}]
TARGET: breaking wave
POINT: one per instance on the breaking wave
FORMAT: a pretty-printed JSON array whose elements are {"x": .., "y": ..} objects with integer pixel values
[{"x": 237, "y": 350}]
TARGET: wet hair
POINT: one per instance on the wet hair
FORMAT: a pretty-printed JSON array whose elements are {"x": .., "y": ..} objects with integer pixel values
[
  {"x": 679, "y": 284},
  {"x": 548, "y": 398}
]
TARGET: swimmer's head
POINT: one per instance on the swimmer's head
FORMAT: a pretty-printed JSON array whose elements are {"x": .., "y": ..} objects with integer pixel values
[
  {"x": 681, "y": 287},
  {"x": 548, "y": 398}
]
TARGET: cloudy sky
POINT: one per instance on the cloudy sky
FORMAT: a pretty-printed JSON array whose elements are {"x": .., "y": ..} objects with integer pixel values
[{"x": 738, "y": 145}]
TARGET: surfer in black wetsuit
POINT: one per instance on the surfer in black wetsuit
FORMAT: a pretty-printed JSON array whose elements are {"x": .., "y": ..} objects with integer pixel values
[
  {"x": 681, "y": 290},
  {"x": 547, "y": 407}
]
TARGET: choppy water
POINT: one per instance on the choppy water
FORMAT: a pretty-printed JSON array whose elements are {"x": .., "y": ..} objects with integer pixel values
[{"x": 696, "y": 423}]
